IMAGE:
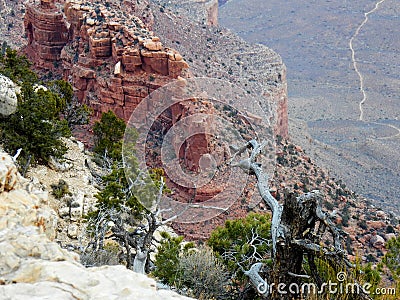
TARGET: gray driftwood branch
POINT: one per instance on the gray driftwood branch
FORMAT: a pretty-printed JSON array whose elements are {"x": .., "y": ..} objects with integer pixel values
[{"x": 297, "y": 227}]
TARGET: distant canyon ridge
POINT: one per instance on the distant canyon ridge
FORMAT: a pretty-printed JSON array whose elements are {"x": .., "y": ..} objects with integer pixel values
[{"x": 343, "y": 61}]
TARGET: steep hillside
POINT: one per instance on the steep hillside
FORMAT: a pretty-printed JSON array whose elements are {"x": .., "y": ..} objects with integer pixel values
[
  {"x": 218, "y": 53},
  {"x": 116, "y": 54}
]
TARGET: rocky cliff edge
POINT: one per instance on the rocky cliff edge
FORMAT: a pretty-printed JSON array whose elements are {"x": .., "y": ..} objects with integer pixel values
[{"x": 32, "y": 266}]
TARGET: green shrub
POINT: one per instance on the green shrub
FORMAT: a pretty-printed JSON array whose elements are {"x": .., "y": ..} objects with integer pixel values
[
  {"x": 100, "y": 257},
  {"x": 35, "y": 126},
  {"x": 372, "y": 276},
  {"x": 167, "y": 259},
  {"x": 76, "y": 113},
  {"x": 240, "y": 244},
  {"x": 109, "y": 132},
  {"x": 16, "y": 67},
  {"x": 392, "y": 257},
  {"x": 235, "y": 237},
  {"x": 60, "y": 189}
]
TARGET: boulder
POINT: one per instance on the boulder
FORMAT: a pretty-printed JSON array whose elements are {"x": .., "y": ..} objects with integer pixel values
[
  {"x": 377, "y": 242},
  {"x": 72, "y": 231},
  {"x": 8, "y": 96}
]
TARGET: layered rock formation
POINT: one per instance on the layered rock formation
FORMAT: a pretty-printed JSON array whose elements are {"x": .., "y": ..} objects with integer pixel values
[
  {"x": 114, "y": 61},
  {"x": 109, "y": 54},
  {"x": 47, "y": 33},
  {"x": 34, "y": 267}
]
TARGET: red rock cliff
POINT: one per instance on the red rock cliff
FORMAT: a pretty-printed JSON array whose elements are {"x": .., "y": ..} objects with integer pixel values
[
  {"x": 113, "y": 60},
  {"x": 47, "y": 33}
]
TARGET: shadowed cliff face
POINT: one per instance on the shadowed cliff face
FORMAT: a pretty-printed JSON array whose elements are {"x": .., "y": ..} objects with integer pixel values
[{"x": 324, "y": 44}]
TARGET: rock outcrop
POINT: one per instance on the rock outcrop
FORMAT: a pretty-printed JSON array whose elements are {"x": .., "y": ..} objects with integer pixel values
[
  {"x": 34, "y": 267},
  {"x": 114, "y": 60},
  {"x": 47, "y": 33},
  {"x": 8, "y": 96},
  {"x": 108, "y": 53}
]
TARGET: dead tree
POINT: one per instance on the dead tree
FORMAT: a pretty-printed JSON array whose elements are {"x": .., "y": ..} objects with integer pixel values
[
  {"x": 297, "y": 228},
  {"x": 135, "y": 236}
]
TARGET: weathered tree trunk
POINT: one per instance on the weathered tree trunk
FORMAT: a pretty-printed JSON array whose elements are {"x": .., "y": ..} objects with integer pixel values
[
  {"x": 298, "y": 217},
  {"x": 296, "y": 229},
  {"x": 139, "y": 262},
  {"x": 144, "y": 243}
]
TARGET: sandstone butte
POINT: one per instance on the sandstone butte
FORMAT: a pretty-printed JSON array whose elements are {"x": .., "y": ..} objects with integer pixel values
[
  {"x": 35, "y": 267},
  {"x": 109, "y": 54},
  {"x": 114, "y": 61}
]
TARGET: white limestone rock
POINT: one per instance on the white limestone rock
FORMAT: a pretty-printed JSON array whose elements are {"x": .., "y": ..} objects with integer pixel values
[
  {"x": 8, "y": 96},
  {"x": 34, "y": 267},
  {"x": 8, "y": 173}
]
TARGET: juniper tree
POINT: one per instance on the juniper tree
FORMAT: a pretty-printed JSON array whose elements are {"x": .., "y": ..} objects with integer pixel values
[{"x": 35, "y": 127}]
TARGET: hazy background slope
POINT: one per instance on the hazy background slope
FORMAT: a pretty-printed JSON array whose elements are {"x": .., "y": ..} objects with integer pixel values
[{"x": 324, "y": 88}]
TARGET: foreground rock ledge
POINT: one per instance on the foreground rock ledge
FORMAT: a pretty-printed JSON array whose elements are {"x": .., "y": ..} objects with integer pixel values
[{"x": 34, "y": 267}]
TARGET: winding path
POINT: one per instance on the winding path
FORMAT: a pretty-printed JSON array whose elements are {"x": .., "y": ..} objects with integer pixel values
[
  {"x": 353, "y": 57},
  {"x": 361, "y": 78}
]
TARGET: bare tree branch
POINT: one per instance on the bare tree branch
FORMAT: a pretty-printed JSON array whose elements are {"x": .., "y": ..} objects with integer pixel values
[{"x": 296, "y": 228}]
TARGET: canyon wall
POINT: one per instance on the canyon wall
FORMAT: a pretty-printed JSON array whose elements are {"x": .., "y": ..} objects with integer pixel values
[
  {"x": 114, "y": 61},
  {"x": 111, "y": 57},
  {"x": 47, "y": 33}
]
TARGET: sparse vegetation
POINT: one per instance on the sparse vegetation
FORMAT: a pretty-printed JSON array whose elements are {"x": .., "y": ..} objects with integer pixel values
[
  {"x": 36, "y": 126},
  {"x": 60, "y": 189},
  {"x": 204, "y": 275},
  {"x": 109, "y": 132},
  {"x": 167, "y": 259},
  {"x": 392, "y": 257}
]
